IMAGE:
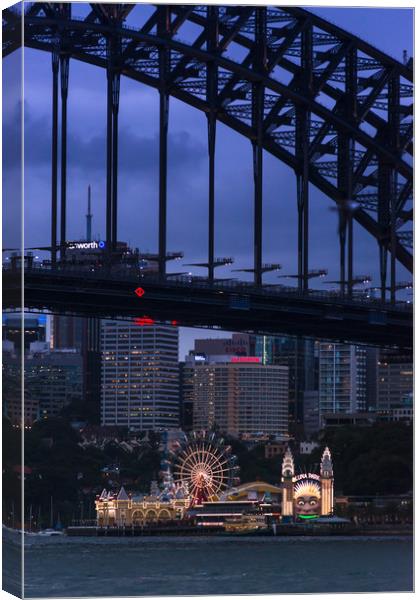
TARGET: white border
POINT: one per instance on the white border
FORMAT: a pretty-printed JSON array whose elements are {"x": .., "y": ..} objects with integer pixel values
[{"x": 309, "y": 4}]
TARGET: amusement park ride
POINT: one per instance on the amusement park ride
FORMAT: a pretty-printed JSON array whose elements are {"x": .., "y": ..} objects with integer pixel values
[
  {"x": 206, "y": 465},
  {"x": 201, "y": 485}
]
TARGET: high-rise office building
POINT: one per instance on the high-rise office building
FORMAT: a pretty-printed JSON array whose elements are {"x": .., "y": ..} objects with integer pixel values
[
  {"x": 300, "y": 356},
  {"x": 19, "y": 413},
  {"x": 66, "y": 332},
  {"x": 33, "y": 330},
  {"x": 140, "y": 376},
  {"x": 395, "y": 380},
  {"x": 240, "y": 344},
  {"x": 92, "y": 360},
  {"x": 372, "y": 362},
  {"x": 342, "y": 378},
  {"x": 239, "y": 395},
  {"x": 53, "y": 379},
  {"x": 83, "y": 335},
  {"x": 311, "y": 424},
  {"x": 186, "y": 395}
]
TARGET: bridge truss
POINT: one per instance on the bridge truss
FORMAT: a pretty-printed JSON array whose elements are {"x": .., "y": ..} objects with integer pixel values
[{"x": 335, "y": 109}]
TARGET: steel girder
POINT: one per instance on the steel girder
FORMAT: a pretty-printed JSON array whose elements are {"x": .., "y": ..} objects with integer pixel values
[
  {"x": 372, "y": 115},
  {"x": 233, "y": 307}
]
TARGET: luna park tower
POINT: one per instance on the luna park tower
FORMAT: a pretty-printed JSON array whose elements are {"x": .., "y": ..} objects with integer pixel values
[{"x": 326, "y": 481}]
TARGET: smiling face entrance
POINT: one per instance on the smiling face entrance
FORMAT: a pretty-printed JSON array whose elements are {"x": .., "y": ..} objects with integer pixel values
[{"x": 307, "y": 499}]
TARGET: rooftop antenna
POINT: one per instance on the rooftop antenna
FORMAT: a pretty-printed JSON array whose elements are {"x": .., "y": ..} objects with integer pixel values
[
  {"x": 89, "y": 220},
  {"x": 405, "y": 57}
]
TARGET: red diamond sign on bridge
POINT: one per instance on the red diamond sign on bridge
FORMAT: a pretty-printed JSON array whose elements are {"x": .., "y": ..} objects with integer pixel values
[{"x": 139, "y": 291}]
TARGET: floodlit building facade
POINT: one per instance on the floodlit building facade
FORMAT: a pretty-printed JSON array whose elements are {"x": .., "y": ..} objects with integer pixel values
[{"x": 124, "y": 509}]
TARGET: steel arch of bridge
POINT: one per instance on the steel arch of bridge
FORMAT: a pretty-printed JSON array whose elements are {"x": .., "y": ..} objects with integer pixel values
[{"x": 329, "y": 105}]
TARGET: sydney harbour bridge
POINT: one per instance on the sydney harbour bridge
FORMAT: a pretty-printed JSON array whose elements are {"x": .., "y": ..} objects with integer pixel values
[{"x": 333, "y": 108}]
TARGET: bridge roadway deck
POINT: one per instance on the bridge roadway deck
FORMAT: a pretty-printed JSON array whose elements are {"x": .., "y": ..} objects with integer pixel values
[{"x": 233, "y": 306}]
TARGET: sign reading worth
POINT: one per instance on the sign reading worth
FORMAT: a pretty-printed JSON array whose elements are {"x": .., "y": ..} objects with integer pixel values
[{"x": 86, "y": 245}]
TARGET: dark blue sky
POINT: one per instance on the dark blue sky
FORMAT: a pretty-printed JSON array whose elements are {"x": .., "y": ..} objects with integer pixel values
[{"x": 388, "y": 29}]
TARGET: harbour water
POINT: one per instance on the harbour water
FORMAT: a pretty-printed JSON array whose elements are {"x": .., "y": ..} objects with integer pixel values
[{"x": 63, "y": 566}]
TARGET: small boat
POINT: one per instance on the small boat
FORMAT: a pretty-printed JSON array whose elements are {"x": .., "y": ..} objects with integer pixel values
[{"x": 49, "y": 532}]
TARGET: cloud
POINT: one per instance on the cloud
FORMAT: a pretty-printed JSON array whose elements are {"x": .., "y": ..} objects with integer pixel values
[
  {"x": 137, "y": 154},
  {"x": 11, "y": 137}
]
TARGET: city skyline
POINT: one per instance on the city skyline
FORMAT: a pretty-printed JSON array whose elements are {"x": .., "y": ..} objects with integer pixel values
[{"x": 131, "y": 376}]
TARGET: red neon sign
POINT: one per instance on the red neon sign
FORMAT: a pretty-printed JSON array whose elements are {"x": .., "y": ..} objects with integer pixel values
[
  {"x": 245, "y": 359},
  {"x": 143, "y": 321},
  {"x": 174, "y": 323},
  {"x": 139, "y": 291}
]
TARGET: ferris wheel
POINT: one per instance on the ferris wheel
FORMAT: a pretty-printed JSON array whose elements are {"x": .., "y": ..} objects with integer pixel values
[{"x": 205, "y": 464}]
